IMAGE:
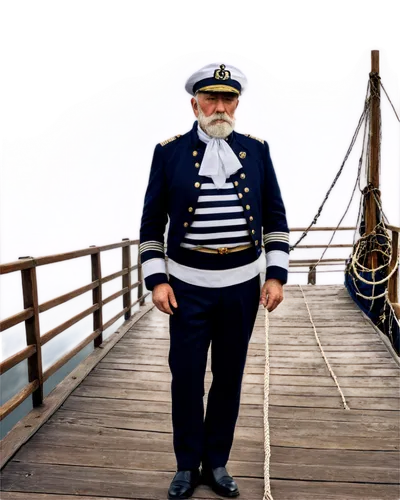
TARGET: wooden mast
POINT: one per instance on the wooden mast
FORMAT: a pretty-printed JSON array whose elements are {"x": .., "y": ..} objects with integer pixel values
[{"x": 371, "y": 208}]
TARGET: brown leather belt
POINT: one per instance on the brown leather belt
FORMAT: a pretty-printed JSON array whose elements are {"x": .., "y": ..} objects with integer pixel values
[{"x": 223, "y": 250}]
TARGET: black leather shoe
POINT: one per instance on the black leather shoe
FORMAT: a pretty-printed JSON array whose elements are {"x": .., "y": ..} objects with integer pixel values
[
  {"x": 220, "y": 481},
  {"x": 183, "y": 484}
]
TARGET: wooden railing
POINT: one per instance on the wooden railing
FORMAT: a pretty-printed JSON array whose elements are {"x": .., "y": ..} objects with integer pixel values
[
  {"x": 311, "y": 263},
  {"x": 32, "y": 309},
  {"x": 393, "y": 285}
]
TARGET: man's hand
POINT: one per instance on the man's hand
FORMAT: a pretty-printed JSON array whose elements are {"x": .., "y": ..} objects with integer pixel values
[
  {"x": 163, "y": 296},
  {"x": 271, "y": 294}
]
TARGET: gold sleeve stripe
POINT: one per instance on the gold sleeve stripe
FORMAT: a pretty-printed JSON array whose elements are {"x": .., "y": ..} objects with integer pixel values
[
  {"x": 151, "y": 245},
  {"x": 276, "y": 235}
]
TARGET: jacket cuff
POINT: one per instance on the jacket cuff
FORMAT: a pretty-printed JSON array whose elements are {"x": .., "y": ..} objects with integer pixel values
[
  {"x": 155, "y": 279},
  {"x": 277, "y": 273}
]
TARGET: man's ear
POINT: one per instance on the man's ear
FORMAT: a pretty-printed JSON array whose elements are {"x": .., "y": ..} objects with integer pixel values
[{"x": 195, "y": 106}]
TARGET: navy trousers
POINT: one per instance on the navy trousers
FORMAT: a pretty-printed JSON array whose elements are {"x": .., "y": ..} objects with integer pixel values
[{"x": 223, "y": 317}]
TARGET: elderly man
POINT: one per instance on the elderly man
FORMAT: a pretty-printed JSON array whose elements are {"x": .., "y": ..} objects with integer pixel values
[{"x": 220, "y": 191}]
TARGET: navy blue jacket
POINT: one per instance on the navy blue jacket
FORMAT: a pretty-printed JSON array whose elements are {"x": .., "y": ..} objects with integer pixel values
[{"x": 174, "y": 187}]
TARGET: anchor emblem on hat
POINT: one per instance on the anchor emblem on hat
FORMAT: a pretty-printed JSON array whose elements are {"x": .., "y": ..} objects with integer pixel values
[{"x": 222, "y": 73}]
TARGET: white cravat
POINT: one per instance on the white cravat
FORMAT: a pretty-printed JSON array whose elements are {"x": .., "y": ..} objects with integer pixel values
[{"x": 219, "y": 161}]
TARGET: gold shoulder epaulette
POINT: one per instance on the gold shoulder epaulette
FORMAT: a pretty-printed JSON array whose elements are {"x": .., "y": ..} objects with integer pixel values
[
  {"x": 256, "y": 138},
  {"x": 163, "y": 143}
]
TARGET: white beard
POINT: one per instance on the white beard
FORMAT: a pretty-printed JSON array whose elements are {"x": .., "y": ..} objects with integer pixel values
[{"x": 219, "y": 130}]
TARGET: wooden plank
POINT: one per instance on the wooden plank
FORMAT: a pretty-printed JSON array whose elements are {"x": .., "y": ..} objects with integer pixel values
[
  {"x": 27, "y": 426},
  {"x": 275, "y": 379},
  {"x": 383, "y": 362},
  {"x": 247, "y": 388},
  {"x": 153, "y": 485},
  {"x": 341, "y": 370},
  {"x": 279, "y": 436},
  {"x": 161, "y": 422},
  {"x": 258, "y": 357},
  {"x": 256, "y": 378},
  {"x": 315, "y": 465},
  {"x": 131, "y": 484},
  {"x": 277, "y": 343},
  {"x": 287, "y": 341},
  {"x": 87, "y": 436},
  {"x": 275, "y": 331},
  {"x": 109, "y": 406},
  {"x": 281, "y": 400},
  {"x": 105, "y": 437}
]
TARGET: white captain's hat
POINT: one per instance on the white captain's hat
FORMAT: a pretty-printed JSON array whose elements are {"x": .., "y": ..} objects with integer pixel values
[{"x": 217, "y": 78}]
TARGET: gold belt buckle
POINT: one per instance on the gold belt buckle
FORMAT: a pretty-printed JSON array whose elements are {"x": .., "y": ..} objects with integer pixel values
[{"x": 223, "y": 250}]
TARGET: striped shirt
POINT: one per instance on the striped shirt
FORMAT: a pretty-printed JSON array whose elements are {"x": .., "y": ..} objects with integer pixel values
[
  {"x": 218, "y": 222},
  {"x": 218, "y": 219}
]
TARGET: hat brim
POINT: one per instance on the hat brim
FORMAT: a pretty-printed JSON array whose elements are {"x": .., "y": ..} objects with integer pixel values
[{"x": 219, "y": 88}]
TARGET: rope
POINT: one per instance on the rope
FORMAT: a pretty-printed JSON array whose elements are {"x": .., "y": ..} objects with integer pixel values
[
  {"x": 267, "y": 448},
  {"x": 397, "y": 116},
  {"x": 386, "y": 278},
  {"x": 346, "y": 407}
]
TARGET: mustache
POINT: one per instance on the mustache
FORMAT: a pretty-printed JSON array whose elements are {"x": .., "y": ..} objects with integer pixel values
[{"x": 218, "y": 116}]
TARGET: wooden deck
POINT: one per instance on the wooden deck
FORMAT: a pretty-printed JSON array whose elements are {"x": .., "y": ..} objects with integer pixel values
[{"x": 112, "y": 437}]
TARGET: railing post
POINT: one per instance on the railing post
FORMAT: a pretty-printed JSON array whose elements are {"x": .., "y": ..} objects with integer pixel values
[
  {"x": 32, "y": 329},
  {"x": 393, "y": 285},
  {"x": 140, "y": 279},
  {"x": 97, "y": 294},
  {"x": 126, "y": 278},
  {"x": 312, "y": 275}
]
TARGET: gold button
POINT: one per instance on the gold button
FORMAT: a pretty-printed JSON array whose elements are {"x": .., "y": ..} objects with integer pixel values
[
  {"x": 251, "y": 218},
  {"x": 246, "y": 190},
  {"x": 197, "y": 165},
  {"x": 256, "y": 242},
  {"x": 240, "y": 195},
  {"x": 243, "y": 176},
  {"x": 253, "y": 231},
  {"x": 186, "y": 224},
  {"x": 236, "y": 183},
  {"x": 197, "y": 184},
  {"x": 247, "y": 207},
  {"x": 242, "y": 154},
  {"x": 190, "y": 209},
  {"x": 194, "y": 153}
]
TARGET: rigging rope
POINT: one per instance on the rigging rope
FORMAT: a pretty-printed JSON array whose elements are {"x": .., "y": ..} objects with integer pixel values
[{"x": 397, "y": 116}]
